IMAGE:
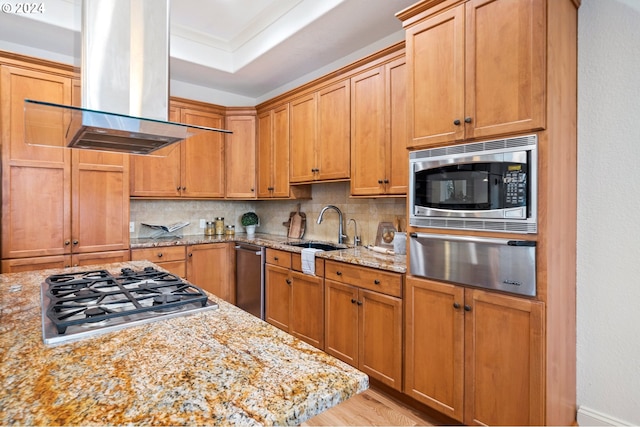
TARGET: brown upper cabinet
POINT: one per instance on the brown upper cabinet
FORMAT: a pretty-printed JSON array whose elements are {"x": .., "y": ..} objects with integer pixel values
[
  {"x": 240, "y": 154},
  {"x": 320, "y": 135},
  {"x": 193, "y": 168},
  {"x": 379, "y": 157},
  {"x": 55, "y": 201},
  {"x": 475, "y": 70}
]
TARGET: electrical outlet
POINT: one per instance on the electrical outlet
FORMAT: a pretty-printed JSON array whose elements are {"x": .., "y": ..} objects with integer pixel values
[
  {"x": 202, "y": 223},
  {"x": 132, "y": 227}
]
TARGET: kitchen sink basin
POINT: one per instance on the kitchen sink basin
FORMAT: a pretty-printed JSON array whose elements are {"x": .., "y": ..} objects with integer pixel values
[{"x": 318, "y": 245}]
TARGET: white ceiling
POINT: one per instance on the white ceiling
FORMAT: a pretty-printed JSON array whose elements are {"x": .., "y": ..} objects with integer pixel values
[{"x": 250, "y": 48}]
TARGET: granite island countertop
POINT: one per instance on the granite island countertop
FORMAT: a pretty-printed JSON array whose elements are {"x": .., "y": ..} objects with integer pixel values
[
  {"x": 353, "y": 255},
  {"x": 222, "y": 367}
]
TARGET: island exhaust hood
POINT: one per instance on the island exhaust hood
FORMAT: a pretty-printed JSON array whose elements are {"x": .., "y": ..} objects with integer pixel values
[{"x": 125, "y": 85}]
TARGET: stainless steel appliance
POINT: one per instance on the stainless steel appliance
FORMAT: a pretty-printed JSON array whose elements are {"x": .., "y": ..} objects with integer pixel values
[
  {"x": 250, "y": 261},
  {"x": 490, "y": 185},
  {"x": 84, "y": 304},
  {"x": 498, "y": 264}
]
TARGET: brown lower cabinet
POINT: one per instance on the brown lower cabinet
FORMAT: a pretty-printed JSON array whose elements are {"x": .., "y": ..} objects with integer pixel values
[
  {"x": 363, "y": 320},
  {"x": 171, "y": 258},
  {"x": 294, "y": 300},
  {"x": 473, "y": 355},
  {"x": 63, "y": 261},
  {"x": 211, "y": 266}
]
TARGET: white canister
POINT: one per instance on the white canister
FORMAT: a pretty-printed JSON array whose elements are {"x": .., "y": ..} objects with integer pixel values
[{"x": 400, "y": 243}]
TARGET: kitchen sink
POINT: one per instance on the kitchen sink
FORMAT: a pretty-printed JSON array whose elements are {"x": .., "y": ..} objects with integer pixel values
[{"x": 318, "y": 245}]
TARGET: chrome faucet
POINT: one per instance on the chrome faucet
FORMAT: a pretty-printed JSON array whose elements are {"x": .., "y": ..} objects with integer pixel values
[
  {"x": 356, "y": 238},
  {"x": 340, "y": 229}
]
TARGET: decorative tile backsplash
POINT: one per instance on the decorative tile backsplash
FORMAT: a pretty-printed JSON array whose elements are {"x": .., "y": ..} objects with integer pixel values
[{"x": 273, "y": 213}]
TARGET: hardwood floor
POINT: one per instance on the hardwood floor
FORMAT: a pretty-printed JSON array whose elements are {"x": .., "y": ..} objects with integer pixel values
[{"x": 371, "y": 408}]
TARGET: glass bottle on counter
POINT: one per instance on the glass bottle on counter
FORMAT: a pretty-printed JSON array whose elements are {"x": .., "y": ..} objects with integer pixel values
[
  {"x": 219, "y": 226},
  {"x": 210, "y": 228},
  {"x": 230, "y": 230}
]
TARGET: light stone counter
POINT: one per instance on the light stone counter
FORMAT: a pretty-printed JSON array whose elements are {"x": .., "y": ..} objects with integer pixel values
[
  {"x": 222, "y": 367},
  {"x": 355, "y": 255}
]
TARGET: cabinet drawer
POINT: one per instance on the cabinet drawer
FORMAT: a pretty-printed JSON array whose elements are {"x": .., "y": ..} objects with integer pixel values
[
  {"x": 296, "y": 264},
  {"x": 368, "y": 278},
  {"x": 162, "y": 254},
  {"x": 280, "y": 258}
]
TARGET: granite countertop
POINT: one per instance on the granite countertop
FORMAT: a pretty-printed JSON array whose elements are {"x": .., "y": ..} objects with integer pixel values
[
  {"x": 354, "y": 255},
  {"x": 221, "y": 366}
]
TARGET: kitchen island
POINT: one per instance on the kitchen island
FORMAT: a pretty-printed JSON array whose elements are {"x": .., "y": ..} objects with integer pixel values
[{"x": 220, "y": 366}]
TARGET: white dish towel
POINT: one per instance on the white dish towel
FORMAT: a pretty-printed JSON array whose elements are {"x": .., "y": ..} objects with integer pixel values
[{"x": 309, "y": 260}]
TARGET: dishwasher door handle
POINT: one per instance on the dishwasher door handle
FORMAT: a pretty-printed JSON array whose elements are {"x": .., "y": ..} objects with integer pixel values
[{"x": 240, "y": 248}]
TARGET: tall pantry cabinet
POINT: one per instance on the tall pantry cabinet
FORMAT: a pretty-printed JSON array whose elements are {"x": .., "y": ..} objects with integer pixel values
[
  {"x": 60, "y": 207},
  {"x": 479, "y": 70}
]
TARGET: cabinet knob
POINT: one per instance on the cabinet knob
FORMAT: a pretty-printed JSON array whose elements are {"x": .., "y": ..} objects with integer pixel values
[
  {"x": 467, "y": 119},
  {"x": 456, "y": 122},
  {"x": 380, "y": 181},
  {"x": 359, "y": 302},
  {"x": 339, "y": 273},
  {"x": 353, "y": 301},
  {"x": 252, "y": 190},
  {"x": 275, "y": 258},
  {"x": 456, "y": 305},
  {"x": 288, "y": 281},
  {"x": 190, "y": 255},
  {"x": 67, "y": 242},
  {"x": 467, "y": 307},
  {"x": 178, "y": 188},
  {"x": 386, "y": 181},
  {"x": 160, "y": 255},
  {"x": 184, "y": 188},
  {"x": 75, "y": 242},
  {"x": 376, "y": 282}
]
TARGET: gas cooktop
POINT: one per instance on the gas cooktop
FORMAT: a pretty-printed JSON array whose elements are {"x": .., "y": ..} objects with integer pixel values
[{"x": 84, "y": 304}]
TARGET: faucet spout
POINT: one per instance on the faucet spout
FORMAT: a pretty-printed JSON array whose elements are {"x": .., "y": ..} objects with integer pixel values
[{"x": 340, "y": 221}]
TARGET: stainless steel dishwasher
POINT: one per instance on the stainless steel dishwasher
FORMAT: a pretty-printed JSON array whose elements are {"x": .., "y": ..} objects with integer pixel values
[{"x": 250, "y": 278}]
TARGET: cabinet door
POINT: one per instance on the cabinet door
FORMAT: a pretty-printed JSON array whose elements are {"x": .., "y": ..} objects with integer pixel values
[
  {"x": 504, "y": 359},
  {"x": 396, "y": 115},
  {"x": 277, "y": 296},
  {"x": 435, "y": 60},
  {"x": 333, "y": 158},
  {"x": 341, "y": 321},
  {"x": 100, "y": 258},
  {"x": 36, "y": 181},
  {"x": 202, "y": 168},
  {"x": 280, "y": 148},
  {"x": 434, "y": 356},
  {"x": 19, "y": 265},
  {"x": 303, "y": 139},
  {"x": 368, "y": 132},
  {"x": 100, "y": 201},
  {"x": 265, "y": 154},
  {"x": 211, "y": 267},
  {"x": 240, "y": 157},
  {"x": 380, "y": 333},
  {"x": 307, "y": 308},
  {"x": 505, "y": 67},
  {"x": 157, "y": 175}
]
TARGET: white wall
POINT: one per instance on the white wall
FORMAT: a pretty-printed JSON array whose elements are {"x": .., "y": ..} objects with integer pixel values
[{"x": 608, "y": 355}]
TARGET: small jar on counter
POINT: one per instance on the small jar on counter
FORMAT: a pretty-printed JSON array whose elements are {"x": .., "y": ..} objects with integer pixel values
[
  {"x": 230, "y": 230},
  {"x": 210, "y": 228},
  {"x": 219, "y": 226}
]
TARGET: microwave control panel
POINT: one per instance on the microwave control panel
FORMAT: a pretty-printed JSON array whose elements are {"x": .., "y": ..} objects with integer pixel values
[{"x": 515, "y": 180}]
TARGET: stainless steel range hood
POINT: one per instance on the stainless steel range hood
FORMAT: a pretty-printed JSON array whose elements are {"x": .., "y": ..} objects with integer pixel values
[{"x": 125, "y": 84}]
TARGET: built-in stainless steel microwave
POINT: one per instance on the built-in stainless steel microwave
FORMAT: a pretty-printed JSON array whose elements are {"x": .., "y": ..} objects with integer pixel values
[{"x": 490, "y": 185}]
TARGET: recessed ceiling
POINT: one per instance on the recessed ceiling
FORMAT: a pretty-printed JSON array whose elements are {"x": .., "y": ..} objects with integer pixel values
[{"x": 250, "y": 48}]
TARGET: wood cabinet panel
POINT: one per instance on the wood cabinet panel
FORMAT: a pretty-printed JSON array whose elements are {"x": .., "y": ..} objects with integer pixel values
[
  {"x": 211, "y": 266},
  {"x": 397, "y": 117},
  {"x": 277, "y": 296},
  {"x": 307, "y": 308},
  {"x": 100, "y": 258},
  {"x": 369, "y": 278},
  {"x": 240, "y": 157},
  {"x": 278, "y": 257},
  {"x": 273, "y": 153},
  {"x": 171, "y": 258},
  {"x": 303, "y": 136},
  {"x": 341, "y": 321}
]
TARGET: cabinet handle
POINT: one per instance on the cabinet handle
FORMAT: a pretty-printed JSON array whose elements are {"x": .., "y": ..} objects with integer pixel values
[
  {"x": 288, "y": 281},
  {"x": 386, "y": 181},
  {"x": 184, "y": 188},
  {"x": 339, "y": 273},
  {"x": 275, "y": 258},
  {"x": 467, "y": 307},
  {"x": 67, "y": 242},
  {"x": 252, "y": 190},
  {"x": 270, "y": 188},
  {"x": 376, "y": 282},
  {"x": 380, "y": 181},
  {"x": 75, "y": 242},
  {"x": 467, "y": 119},
  {"x": 178, "y": 188},
  {"x": 456, "y": 122},
  {"x": 353, "y": 301},
  {"x": 190, "y": 255},
  {"x": 359, "y": 302},
  {"x": 160, "y": 255},
  {"x": 456, "y": 305}
]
